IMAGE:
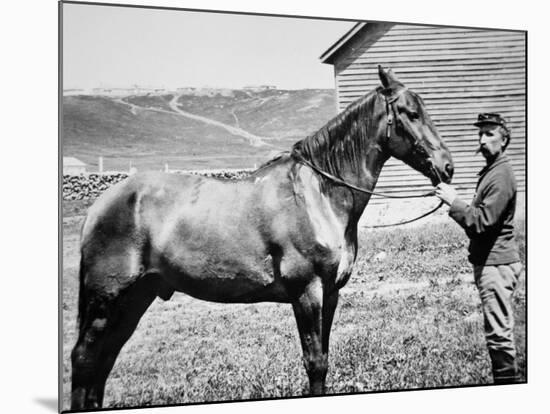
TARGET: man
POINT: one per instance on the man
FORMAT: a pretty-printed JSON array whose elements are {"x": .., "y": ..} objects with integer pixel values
[{"x": 488, "y": 222}]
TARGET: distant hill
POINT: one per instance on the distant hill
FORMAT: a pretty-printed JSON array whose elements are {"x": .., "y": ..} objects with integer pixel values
[{"x": 146, "y": 131}]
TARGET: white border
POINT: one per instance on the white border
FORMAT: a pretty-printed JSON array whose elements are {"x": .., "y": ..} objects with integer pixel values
[{"x": 29, "y": 204}]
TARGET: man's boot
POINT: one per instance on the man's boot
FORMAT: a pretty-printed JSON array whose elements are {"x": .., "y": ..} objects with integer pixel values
[{"x": 504, "y": 367}]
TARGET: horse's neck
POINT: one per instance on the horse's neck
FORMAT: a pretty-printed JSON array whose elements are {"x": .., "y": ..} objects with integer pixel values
[
  {"x": 365, "y": 174},
  {"x": 357, "y": 156},
  {"x": 347, "y": 203},
  {"x": 365, "y": 178}
]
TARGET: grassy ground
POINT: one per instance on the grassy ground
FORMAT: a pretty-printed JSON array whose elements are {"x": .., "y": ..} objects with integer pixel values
[{"x": 410, "y": 321}]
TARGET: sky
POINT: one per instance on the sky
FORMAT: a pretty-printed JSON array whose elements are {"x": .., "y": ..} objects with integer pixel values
[{"x": 119, "y": 47}]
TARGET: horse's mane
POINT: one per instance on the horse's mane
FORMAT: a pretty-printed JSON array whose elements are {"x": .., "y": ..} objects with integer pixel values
[
  {"x": 275, "y": 159},
  {"x": 344, "y": 140},
  {"x": 341, "y": 142}
]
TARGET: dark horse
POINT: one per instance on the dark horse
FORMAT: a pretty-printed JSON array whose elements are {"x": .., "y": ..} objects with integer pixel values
[{"x": 284, "y": 234}]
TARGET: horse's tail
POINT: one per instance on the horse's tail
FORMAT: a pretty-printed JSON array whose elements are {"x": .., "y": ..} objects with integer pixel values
[
  {"x": 81, "y": 293},
  {"x": 81, "y": 272}
]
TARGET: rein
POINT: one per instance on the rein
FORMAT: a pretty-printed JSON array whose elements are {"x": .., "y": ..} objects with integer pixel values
[
  {"x": 399, "y": 223},
  {"x": 353, "y": 187},
  {"x": 389, "y": 123},
  {"x": 384, "y": 195}
]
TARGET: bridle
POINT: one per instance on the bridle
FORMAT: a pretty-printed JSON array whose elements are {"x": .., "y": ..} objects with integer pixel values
[
  {"x": 390, "y": 116},
  {"x": 390, "y": 111}
]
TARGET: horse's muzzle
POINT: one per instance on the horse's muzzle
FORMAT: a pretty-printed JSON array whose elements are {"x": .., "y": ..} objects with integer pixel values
[
  {"x": 442, "y": 166},
  {"x": 448, "y": 175},
  {"x": 442, "y": 173}
]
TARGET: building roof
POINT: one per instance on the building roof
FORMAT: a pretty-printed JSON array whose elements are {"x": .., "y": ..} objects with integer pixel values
[
  {"x": 328, "y": 55},
  {"x": 72, "y": 162}
]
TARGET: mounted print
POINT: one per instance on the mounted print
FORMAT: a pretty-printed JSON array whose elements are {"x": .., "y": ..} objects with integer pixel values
[{"x": 261, "y": 207}]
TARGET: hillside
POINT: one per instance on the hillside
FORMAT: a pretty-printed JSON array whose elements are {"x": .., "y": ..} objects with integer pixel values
[{"x": 150, "y": 131}]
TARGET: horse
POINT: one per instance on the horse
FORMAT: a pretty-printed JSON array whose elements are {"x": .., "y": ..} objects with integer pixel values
[{"x": 285, "y": 234}]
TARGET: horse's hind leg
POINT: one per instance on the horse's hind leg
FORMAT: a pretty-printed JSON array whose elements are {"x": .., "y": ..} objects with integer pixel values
[{"x": 106, "y": 324}]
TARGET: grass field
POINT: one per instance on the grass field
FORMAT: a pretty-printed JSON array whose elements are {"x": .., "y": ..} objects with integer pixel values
[{"x": 410, "y": 321}]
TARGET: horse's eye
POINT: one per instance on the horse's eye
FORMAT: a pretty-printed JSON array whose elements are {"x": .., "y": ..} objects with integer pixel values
[{"x": 413, "y": 115}]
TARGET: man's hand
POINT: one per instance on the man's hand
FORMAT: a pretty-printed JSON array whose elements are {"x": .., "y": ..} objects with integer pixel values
[{"x": 446, "y": 193}]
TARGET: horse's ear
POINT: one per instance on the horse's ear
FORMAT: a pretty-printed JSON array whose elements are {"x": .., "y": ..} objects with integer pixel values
[
  {"x": 386, "y": 77},
  {"x": 383, "y": 75}
]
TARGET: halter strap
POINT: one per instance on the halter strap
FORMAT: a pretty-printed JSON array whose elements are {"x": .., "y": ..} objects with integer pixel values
[{"x": 390, "y": 110}]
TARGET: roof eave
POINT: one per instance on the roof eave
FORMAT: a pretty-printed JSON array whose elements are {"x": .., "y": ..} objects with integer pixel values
[{"x": 329, "y": 54}]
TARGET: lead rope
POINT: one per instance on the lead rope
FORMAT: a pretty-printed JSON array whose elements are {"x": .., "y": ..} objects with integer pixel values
[{"x": 399, "y": 223}]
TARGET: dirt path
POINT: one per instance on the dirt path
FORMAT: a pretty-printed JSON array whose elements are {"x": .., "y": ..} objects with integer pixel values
[
  {"x": 135, "y": 108},
  {"x": 235, "y": 117},
  {"x": 254, "y": 140},
  {"x": 404, "y": 287}
]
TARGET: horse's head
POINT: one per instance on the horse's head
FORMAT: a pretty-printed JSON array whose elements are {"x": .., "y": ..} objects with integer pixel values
[{"x": 410, "y": 134}]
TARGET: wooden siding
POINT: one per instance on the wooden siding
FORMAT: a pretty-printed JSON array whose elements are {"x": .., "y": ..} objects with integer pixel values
[{"x": 458, "y": 72}]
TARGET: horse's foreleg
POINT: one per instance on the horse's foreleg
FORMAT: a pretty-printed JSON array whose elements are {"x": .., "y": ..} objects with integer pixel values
[
  {"x": 105, "y": 327},
  {"x": 308, "y": 309},
  {"x": 330, "y": 301}
]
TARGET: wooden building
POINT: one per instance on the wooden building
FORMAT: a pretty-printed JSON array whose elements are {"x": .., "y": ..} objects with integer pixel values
[{"x": 459, "y": 72}]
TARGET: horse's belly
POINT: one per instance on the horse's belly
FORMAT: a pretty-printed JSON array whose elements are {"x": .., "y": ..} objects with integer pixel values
[{"x": 224, "y": 279}]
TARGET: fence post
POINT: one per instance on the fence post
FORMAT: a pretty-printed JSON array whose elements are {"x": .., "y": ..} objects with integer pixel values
[
  {"x": 131, "y": 170},
  {"x": 100, "y": 164}
]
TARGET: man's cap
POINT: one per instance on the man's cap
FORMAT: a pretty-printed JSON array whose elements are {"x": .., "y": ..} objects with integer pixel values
[{"x": 490, "y": 119}]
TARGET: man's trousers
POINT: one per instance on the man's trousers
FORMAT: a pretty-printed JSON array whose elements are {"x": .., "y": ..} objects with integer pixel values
[{"x": 496, "y": 285}]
